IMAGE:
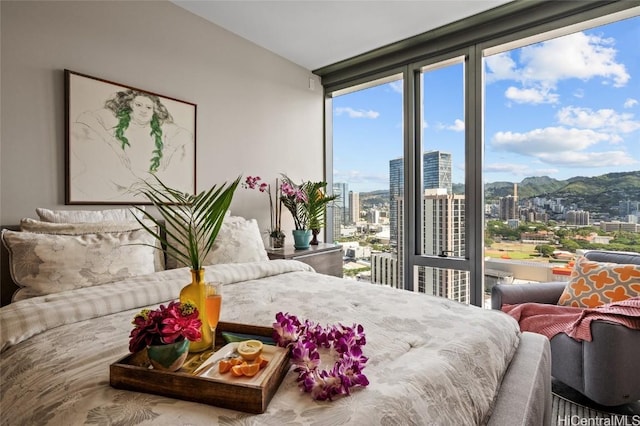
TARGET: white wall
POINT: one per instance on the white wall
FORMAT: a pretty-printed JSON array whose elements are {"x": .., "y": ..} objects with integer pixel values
[{"x": 256, "y": 113}]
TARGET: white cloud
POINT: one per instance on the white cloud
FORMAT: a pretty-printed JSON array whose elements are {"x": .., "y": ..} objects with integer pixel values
[
  {"x": 357, "y": 177},
  {"x": 397, "y": 86},
  {"x": 541, "y": 66},
  {"x": 590, "y": 159},
  {"x": 531, "y": 96},
  {"x": 538, "y": 142},
  {"x": 560, "y": 146},
  {"x": 510, "y": 168},
  {"x": 518, "y": 170},
  {"x": 457, "y": 126},
  {"x": 602, "y": 119},
  {"x": 360, "y": 113},
  {"x": 578, "y": 93},
  {"x": 576, "y": 55},
  {"x": 630, "y": 103},
  {"x": 500, "y": 67}
]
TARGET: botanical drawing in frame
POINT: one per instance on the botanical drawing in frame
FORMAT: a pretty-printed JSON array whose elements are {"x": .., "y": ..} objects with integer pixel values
[{"x": 118, "y": 135}]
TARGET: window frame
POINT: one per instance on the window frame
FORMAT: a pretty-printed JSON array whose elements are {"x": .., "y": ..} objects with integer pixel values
[{"x": 471, "y": 37}]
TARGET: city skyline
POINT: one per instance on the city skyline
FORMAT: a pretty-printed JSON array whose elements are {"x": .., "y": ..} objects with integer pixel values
[{"x": 571, "y": 102}]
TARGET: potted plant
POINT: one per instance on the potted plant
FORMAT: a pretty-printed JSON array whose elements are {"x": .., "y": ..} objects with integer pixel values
[
  {"x": 187, "y": 227},
  {"x": 276, "y": 236},
  {"x": 306, "y": 202},
  {"x": 294, "y": 198},
  {"x": 165, "y": 333},
  {"x": 317, "y": 201}
]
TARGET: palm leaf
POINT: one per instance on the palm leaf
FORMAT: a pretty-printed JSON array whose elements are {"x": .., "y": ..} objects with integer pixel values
[
  {"x": 317, "y": 201},
  {"x": 188, "y": 224}
]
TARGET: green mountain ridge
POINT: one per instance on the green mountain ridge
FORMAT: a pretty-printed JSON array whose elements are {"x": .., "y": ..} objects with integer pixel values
[{"x": 599, "y": 194}]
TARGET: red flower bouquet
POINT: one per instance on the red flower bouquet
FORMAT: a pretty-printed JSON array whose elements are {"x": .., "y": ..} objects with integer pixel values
[{"x": 165, "y": 325}]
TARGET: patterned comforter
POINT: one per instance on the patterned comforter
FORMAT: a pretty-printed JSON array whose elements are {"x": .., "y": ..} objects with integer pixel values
[{"x": 431, "y": 361}]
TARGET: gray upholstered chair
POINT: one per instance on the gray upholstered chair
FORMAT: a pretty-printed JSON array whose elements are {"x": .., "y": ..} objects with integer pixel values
[{"x": 605, "y": 370}]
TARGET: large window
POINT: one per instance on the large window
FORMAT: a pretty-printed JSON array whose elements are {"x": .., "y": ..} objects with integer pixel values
[
  {"x": 510, "y": 154},
  {"x": 560, "y": 171},
  {"x": 368, "y": 177}
]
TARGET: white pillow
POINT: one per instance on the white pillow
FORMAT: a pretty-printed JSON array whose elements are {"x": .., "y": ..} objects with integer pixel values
[
  {"x": 46, "y": 263},
  {"x": 32, "y": 225},
  {"x": 89, "y": 216},
  {"x": 238, "y": 241}
]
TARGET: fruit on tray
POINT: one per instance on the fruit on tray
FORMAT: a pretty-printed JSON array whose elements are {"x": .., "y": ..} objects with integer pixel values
[
  {"x": 250, "y": 349},
  {"x": 240, "y": 367}
]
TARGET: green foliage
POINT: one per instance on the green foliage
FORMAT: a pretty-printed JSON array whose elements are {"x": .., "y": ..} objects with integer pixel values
[
  {"x": 124, "y": 118},
  {"x": 570, "y": 245},
  {"x": 306, "y": 202},
  {"x": 190, "y": 222},
  {"x": 352, "y": 272},
  {"x": 156, "y": 131},
  {"x": 545, "y": 250},
  {"x": 316, "y": 203}
]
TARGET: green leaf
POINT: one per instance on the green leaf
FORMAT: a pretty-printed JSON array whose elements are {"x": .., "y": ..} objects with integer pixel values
[{"x": 190, "y": 223}]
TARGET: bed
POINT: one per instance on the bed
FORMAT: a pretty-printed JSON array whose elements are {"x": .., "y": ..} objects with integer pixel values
[{"x": 431, "y": 361}]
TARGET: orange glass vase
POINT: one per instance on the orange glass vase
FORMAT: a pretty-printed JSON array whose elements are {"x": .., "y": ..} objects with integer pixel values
[{"x": 195, "y": 293}]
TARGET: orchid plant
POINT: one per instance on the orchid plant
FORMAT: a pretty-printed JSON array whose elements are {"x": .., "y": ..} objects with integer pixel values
[
  {"x": 306, "y": 202},
  {"x": 306, "y": 339},
  {"x": 275, "y": 207},
  {"x": 165, "y": 325}
]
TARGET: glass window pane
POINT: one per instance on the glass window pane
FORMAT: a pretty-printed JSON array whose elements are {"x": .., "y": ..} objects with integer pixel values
[
  {"x": 442, "y": 223},
  {"x": 562, "y": 152},
  {"x": 367, "y": 138}
]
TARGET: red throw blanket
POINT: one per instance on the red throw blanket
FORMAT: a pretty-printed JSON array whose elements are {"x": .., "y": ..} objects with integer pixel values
[{"x": 550, "y": 320}]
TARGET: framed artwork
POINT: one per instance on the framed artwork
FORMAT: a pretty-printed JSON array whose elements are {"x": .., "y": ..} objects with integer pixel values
[{"x": 117, "y": 136}]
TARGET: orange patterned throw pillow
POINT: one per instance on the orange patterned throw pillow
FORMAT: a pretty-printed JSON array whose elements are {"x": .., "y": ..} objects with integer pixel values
[{"x": 595, "y": 283}]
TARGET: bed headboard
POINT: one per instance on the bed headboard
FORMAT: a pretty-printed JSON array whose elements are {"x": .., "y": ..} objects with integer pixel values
[{"x": 7, "y": 286}]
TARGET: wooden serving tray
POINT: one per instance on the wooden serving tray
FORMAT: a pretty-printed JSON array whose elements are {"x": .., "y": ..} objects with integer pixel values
[{"x": 251, "y": 395}]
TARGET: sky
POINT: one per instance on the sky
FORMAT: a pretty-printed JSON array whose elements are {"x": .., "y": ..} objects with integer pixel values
[{"x": 564, "y": 107}]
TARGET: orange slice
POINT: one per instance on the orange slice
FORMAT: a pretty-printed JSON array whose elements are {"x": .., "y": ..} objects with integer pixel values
[
  {"x": 237, "y": 360},
  {"x": 224, "y": 366},
  {"x": 250, "y": 370},
  {"x": 250, "y": 349},
  {"x": 261, "y": 361},
  {"x": 236, "y": 370}
]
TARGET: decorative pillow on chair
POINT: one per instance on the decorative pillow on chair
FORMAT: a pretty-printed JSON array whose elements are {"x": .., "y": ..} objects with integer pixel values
[
  {"x": 595, "y": 283},
  {"x": 60, "y": 257},
  {"x": 88, "y": 216}
]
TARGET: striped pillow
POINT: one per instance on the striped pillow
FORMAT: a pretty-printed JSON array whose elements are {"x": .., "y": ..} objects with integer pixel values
[{"x": 595, "y": 283}]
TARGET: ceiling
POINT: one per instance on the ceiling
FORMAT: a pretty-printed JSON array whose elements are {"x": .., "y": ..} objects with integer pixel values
[{"x": 314, "y": 34}]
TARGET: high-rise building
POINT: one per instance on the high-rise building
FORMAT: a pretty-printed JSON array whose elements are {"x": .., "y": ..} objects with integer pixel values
[
  {"x": 384, "y": 269},
  {"x": 628, "y": 207},
  {"x": 443, "y": 230},
  {"x": 509, "y": 205},
  {"x": 436, "y": 173},
  {"x": 577, "y": 217},
  {"x": 373, "y": 216},
  {"x": 354, "y": 204},
  {"x": 436, "y": 170},
  {"x": 396, "y": 189},
  {"x": 340, "y": 208}
]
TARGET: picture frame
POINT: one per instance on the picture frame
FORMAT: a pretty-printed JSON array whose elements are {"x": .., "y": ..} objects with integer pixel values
[{"x": 117, "y": 135}]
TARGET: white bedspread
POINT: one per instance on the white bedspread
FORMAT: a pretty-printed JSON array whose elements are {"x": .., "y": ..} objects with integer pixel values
[{"x": 432, "y": 361}]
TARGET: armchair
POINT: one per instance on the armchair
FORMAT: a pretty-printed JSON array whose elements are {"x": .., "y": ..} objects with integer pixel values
[{"x": 606, "y": 369}]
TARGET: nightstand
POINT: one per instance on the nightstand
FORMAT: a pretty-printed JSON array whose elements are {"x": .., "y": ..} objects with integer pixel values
[{"x": 324, "y": 258}]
